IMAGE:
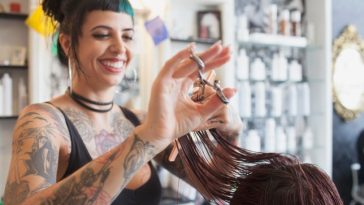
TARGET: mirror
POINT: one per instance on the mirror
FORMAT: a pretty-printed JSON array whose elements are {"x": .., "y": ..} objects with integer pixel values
[{"x": 348, "y": 74}]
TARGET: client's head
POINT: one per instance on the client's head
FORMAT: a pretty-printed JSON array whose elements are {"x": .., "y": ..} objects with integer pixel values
[{"x": 285, "y": 181}]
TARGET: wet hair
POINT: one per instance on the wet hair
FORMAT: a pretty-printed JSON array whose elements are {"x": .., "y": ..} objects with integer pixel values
[
  {"x": 70, "y": 16},
  {"x": 224, "y": 172}
]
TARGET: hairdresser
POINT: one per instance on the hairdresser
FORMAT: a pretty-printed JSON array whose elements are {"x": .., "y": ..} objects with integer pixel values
[{"x": 81, "y": 148}]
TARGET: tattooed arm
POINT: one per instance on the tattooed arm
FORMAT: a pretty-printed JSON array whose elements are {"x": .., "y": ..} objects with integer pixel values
[{"x": 33, "y": 169}]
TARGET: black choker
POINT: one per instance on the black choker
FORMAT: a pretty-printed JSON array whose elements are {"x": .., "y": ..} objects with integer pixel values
[{"x": 79, "y": 99}]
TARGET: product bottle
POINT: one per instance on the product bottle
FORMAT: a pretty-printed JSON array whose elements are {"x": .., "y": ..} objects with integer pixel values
[
  {"x": 277, "y": 101},
  {"x": 243, "y": 65},
  {"x": 295, "y": 71},
  {"x": 2, "y": 100},
  {"x": 275, "y": 67},
  {"x": 292, "y": 99},
  {"x": 296, "y": 23},
  {"x": 284, "y": 23},
  {"x": 282, "y": 67},
  {"x": 291, "y": 140},
  {"x": 22, "y": 95},
  {"x": 273, "y": 19},
  {"x": 304, "y": 99},
  {"x": 281, "y": 140},
  {"x": 245, "y": 100},
  {"x": 243, "y": 28},
  {"x": 270, "y": 135},
  {"x": 258, "y": 71},
  {"x": 260, "y": 99},
  {"x": 252, "y": 141},
  {"x": 8, "y": 94}
]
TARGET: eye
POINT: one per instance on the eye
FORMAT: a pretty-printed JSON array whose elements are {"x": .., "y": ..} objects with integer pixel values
[
  {"x": 100, "y": 36},
  {"x": 128, "y": 38}
]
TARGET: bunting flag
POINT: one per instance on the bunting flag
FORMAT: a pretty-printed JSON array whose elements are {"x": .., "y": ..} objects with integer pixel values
[{"x": 40, "y": 22}]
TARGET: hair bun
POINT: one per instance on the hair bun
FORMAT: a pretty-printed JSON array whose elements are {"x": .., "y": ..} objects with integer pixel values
[{"x": 53, "y": 9}]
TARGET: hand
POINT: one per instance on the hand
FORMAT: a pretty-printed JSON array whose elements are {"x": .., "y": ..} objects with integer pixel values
[
  {"x": 171, "y": 112},
  {"x": 226, "y": 120}
]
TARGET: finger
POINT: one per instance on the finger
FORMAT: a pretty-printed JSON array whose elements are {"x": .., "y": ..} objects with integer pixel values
[
  {"x": 214, "y": 104},
  {"x": 172, "y": 64},
  {"x": 189, "y": 66}
]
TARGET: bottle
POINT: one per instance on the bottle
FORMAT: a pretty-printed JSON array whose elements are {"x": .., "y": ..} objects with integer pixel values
[
  {"x": 8, "y": 94},
  {"x": 295, "y": 71},
  {"x": 22, "y": 95},
  {"x": 243, "y": 28},
  {"x": 245, "y": 100},
  {"x": 307, "y": 139},
  {"x": 260, "y": 99},
  {"x": 296, "y": 23},
  {"x": 243, "y": 65},
  {"x": 284, "y": 23},
  {"x": 275, "y": 67},
  {"x": 277, "y": 101},
  {"x": 292, "y": 100},
  {"x": 282, "y": 67},
  {"x": 304, "y": 99},
  {"x": 258, "y": 71},
  {"x": 291, "y": 140},
  {"x": 273, "y": 22},
  {"x": 281, "y": 140},
  {"x": 270, "y": 135},
  {"x": 252, "y": 141},
  {"x": 2, "y": 100}
]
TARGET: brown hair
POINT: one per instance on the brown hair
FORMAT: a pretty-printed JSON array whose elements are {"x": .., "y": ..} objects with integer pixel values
[{"x": 223, "y": 171}]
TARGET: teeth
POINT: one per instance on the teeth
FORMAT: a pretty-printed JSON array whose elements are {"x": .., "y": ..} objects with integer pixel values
[{"x": 117, "y": 65}]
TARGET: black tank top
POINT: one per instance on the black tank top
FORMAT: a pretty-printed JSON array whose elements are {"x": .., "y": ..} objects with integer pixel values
[{"x": 147, "y": 194}]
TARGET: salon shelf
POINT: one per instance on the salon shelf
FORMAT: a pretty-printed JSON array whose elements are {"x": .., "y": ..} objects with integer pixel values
[
  {"x": 14, "y": 16},
  {"x": 262, "y": 39},
  {"x": 190, "y": 40},
  {"x": 20, "y": 67},
  {"x": 13, "y": 117}
]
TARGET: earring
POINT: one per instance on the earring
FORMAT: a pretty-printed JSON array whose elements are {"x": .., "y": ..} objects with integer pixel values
[{"x": 69, "y": 75}]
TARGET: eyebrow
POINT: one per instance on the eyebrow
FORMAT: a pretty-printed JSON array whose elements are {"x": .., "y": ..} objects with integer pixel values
[{"x": 109, "y": 28}]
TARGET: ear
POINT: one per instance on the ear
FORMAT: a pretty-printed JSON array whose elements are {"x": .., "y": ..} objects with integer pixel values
[{"x": 65, "y": 41}]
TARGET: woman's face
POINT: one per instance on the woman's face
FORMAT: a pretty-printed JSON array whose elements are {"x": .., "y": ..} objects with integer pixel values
[{"x": 104, "y": 47}]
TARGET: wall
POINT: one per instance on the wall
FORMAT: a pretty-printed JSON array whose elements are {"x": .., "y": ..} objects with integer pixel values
[{"x": 345, "y": 134}]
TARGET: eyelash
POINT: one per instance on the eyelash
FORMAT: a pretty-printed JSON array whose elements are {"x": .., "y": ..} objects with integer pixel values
[{"x": 103, "y": 36}]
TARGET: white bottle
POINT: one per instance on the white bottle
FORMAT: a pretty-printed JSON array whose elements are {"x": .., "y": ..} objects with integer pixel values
[
  {"x": 22, "y": 95},
  {"x": 291, "y": 140},
  {"x": 275, "y": 67},
  {"x": 304, "y": 99},
  {"x": 257, "y": 70},
  {"x": 260, "y": 99},
  {"x": 292, "y": 100},
  {"x": 270, "y": 135},
  {"x": 8, "y": 94},
  {"x": 277, "y": 101},
  {"x": 284, "y": 23},
  {"x": 252, "y": 141},
  {"x": 295, "y": 71},
  {"x": 243, "y": 65},
  {"x": 273, "y": 19},
  {"x": 282, "y": 67},
  {"x": 281, "y": 140},
  {"x": 245, "y": 102},
  {"x": 243, "y": 28},
  {"x": 296, "y": 23},
  {"x": 2, "y": 100},
  {"x": 307, "y": 139}
]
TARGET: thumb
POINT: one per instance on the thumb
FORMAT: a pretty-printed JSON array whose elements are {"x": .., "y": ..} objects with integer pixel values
[{"x": 214, "y": 104}]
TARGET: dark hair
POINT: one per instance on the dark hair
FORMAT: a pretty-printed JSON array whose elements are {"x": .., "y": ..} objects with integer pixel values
[
  {"x": 70, "y": 16},
  {"x": 223, "y": 171},
  {"x": 285, "y": 182}
]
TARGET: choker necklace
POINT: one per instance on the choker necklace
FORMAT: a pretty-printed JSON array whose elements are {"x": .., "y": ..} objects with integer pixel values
[{"x": 80, "y": 100}]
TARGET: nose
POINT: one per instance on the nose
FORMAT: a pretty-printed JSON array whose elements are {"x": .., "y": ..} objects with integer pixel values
[{"x": 118, "y": 46}]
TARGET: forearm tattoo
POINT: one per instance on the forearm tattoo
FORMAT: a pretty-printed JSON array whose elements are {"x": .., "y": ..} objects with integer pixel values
[
  {"x": 35, "y": 156},
  {"x": 88, "y": 187}
]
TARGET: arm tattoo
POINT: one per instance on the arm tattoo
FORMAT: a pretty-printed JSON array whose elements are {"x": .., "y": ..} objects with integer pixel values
[
  {"x": 35, "y": 156},
  {"x": 176, "y": 167}
]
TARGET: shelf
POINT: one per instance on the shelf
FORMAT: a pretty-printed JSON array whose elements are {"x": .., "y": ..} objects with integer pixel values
[
  {"x": 190, "y": 40},
  {"x": 262, "y": 39},
  {"x": 15, "y": 16},
  {"x": 21, "y": 67},
  {"x": 9, "y": 117}
]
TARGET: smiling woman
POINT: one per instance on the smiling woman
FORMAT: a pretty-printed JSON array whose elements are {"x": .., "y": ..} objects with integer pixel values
[{"x": 79, "y": 148}]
